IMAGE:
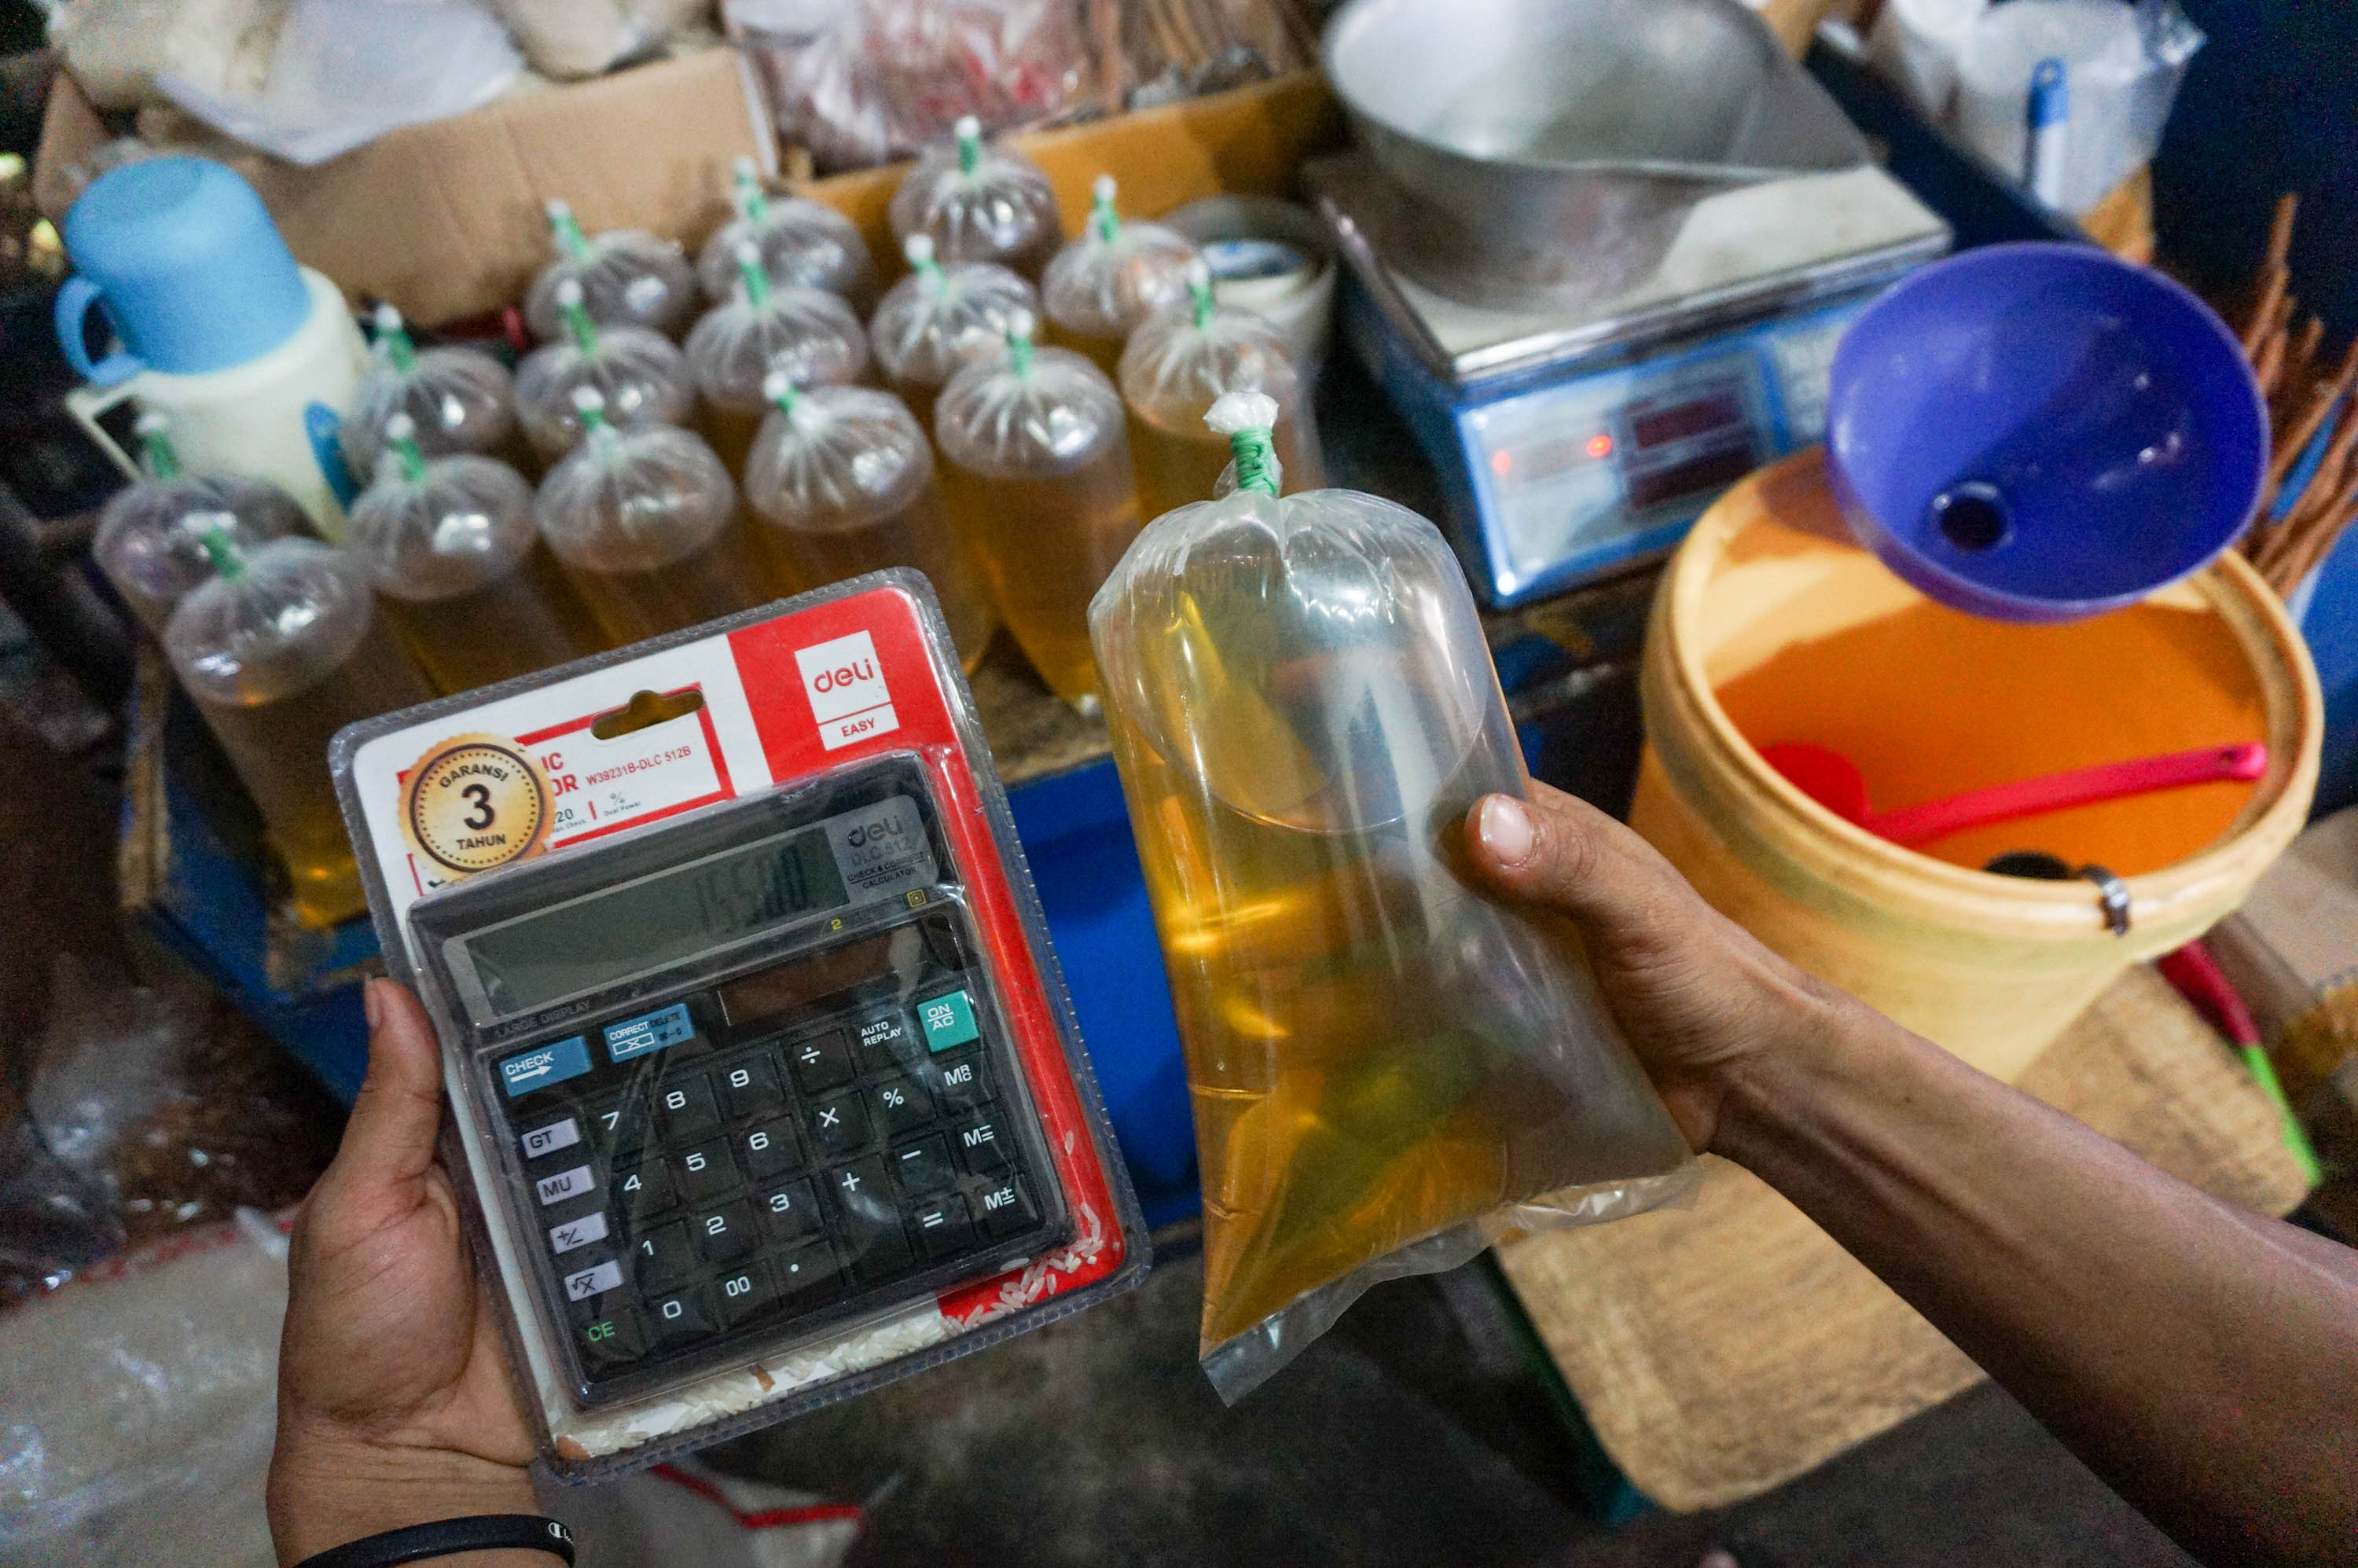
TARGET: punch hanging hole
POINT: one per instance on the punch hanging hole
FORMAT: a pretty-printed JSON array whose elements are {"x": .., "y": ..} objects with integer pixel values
[{"x": 645, "y": 711}]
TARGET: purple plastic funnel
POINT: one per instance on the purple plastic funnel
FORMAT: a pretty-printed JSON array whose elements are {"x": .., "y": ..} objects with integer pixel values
[{"x": 2043, "y": 432}]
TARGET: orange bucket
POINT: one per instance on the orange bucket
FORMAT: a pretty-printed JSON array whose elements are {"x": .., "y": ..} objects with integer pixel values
[{"x": 1771, "y": 626}]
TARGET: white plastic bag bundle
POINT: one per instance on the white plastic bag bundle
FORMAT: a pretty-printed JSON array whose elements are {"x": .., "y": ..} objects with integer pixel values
[{"x": 1389, "y": 1064}]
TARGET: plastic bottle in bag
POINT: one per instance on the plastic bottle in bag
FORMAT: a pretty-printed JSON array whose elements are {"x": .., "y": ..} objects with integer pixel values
[
  {"x": 638, "y": 376},
  {"x": 841, "y": 480},
  {"x": 1182, "y": 361},
  {"x": 1385, "y": 1060},
  {"x": 801, "y": 242},
  {"x": 644, "y": 524},
  {"x": 931, "y": 320},
  {"x": 450, "y": 544},
  {"x": 459, "y": 399},
  {"x": 281, "y": 649},
  {"x": 980, "y": 202},
  {"x": 1103, "y": 285},
  {"x": 147, "y": 542},
  {"x": 628, "y": 278},
  {"x": 1036, "y": 469},
  {"x": 806, "y": 332}
]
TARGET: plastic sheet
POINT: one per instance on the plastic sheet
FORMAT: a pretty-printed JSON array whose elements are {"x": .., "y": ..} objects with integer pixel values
[
  {"x": 1382, "y": 1057},
  {"x": 567, "y": 39},
  {"x": 862, "y": 82}
]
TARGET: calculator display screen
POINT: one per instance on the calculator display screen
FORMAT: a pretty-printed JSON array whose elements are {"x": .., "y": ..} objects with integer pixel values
[{"x": 657, "y": 920}]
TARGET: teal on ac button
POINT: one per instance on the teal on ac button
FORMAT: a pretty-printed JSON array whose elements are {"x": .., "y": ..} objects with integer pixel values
[{"x": 947, "y": 1021}]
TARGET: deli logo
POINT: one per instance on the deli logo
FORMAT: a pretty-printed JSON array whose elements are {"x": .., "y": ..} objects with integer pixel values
[
  {"x": 882, "y": 830},
  {"x": 846, "y": 686}
]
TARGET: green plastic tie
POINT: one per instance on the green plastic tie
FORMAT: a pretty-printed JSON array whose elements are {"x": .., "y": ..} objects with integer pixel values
[
  {"x": 919, "y": 249},
  {"x": 220, "y": 545},
  {"x": 2296, "y": 1140},
  {"x": 750, "y": 274},
  {"x": 393, "y": 334},
  {"x": 1256, "y": 454},
  {"x": 568, "y": 231},
  {"x": 779, "y": 389},
  {"x": 1199, "y": 289},
  {"x": 1249, "y": 420},
  {"x": 400, "y": 435},
  {"x": 578, "y": 323},
  {"x": 969, "y": 143},
  {"x": 1102, "y": 216},
  {"x": 155, "y": 446},
  {"x": 1018, "y": 348},
  {"x": 752, "y": 204}
]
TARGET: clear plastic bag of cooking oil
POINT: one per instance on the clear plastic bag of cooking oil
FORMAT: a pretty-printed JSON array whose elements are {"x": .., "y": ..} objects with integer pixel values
[
  {"x": 979, "y": 202},
  {"x": 801, "y": 242},
  {"x": 1390, "y": 1067},
  {"x": 459, "y": 399},
  {"x": 1099, "y": 288},
  {"x": 628, "y": 278}
]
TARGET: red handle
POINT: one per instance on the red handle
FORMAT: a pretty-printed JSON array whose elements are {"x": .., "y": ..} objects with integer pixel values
[{"x": 2083, "y": 786}]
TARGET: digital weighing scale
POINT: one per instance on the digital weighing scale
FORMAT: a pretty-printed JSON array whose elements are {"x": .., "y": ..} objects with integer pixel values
[{"x": 1576, "y": 442}]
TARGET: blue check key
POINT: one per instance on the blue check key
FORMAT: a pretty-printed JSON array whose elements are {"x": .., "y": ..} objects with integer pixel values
[
  {"x": 545, "y": 1064},
  {"x": 947, "y": 1021}
]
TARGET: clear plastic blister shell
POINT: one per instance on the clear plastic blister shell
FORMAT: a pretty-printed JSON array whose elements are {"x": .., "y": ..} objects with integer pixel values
[
  {"x": 843, "y": 482},
  {"x": 767, "y": 1340},
  {"x": 644, "y": 379},
  {"x": 934, "y": 319},
  {"x": 979, "y": 202},
  {"x": 628, "y": 276},
  {"x": 1387, "y": 1063},
  {"x": 803, "y": 244},
  {"x": 459, "y": 398},
  {"x": 453, "y": 549},
  {"x": 1103, "y": 286},
  {"x": 280, "y": 650},
  {"x": 147, "y": 549},
  {"x": 1176, "y": 367},
  {"x": 1038, "y": 470},
  {"x": 644, "y": 523}
]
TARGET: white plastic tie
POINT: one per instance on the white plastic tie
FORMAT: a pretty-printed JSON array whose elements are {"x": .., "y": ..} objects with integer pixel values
[{"x": 1235, "y": 411}]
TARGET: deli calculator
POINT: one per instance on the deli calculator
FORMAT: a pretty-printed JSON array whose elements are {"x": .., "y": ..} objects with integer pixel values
[{"x": 760, "y": 1069}]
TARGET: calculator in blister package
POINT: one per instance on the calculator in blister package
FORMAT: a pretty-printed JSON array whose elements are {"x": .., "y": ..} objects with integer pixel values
[{"x": 745, "y": 1078}]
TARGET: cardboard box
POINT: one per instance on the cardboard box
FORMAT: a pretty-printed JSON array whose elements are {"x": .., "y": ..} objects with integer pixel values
[{"x": 444, "y": 220}]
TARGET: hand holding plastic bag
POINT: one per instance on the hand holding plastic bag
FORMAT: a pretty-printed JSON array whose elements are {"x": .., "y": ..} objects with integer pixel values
[{"x": 1387, "y": 1063}]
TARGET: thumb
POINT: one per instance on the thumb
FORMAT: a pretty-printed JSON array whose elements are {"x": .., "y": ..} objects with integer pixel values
[
  {"x": 1558, "y": 851},
  {"x": 390, "y": 1135}
]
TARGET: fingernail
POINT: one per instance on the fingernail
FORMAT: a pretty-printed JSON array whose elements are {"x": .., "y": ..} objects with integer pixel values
[
  {"x": 1507, "y": 830},
  {"x": 370, "y": 1007}
]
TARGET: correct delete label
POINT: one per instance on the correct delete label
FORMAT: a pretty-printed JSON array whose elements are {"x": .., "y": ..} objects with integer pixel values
[{"x": 472, "y": 803}]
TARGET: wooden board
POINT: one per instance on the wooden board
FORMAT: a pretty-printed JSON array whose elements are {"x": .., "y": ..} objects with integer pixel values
[{"x": 1722, "y": 1350}]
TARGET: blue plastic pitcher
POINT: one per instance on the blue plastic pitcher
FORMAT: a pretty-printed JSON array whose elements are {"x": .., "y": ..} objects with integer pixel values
[
  {"x": 2043, "y": 432},
  {"x": 184, "y": 262}
]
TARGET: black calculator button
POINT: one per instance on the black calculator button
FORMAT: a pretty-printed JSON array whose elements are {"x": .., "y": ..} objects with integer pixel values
[
  {"x": 746, "y": 1294},
  {"x": 981, "y": 1144},
  {"x": 705, "y": 1171},
  {"x": 752, "y": 1088},
  {"x": 820, "y": 1063},
  {"x": 682, "y": 1318},
  {"x": 573, "y": 1233},
  {"x": 838, "y": 1124},
  {"x": 1007, "y": 1209},
  {"x": 551, "y": 1138},
  {"x": 644, "y": 1188},
  {"x": 662, "y": 1255},
  {"x": 884, "y": 1042},
  {"x": 592, "y": 1278},
  {"x": 563, "y": 1186},
  {"x": 788, "y": 1211},
  {"x": 769, "y": 1150},
  {"x": 957, "y": 1077},
  {"x": 685, "y": 1106},
  {"x": 614, "y": 1339},
  {"x": 807, "y": 1275},
  {"x": 924, "y": 1166},
  {"x": 872, "y": 1232},
  {"x": 942, "y": 1227},
  {"x": 901, "y": 1105},
  {"x": 619, "y": 1125},
  {"x": 725, "y": 1233}
]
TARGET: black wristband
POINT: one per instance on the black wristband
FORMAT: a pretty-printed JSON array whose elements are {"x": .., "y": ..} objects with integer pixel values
[{"x": 448, "y": 1537}]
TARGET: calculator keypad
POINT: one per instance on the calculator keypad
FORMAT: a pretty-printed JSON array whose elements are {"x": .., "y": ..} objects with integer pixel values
[{"x": 710, "y": 1180}]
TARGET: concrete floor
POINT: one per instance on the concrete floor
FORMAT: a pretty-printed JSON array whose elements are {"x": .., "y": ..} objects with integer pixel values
[{"x": 1415, "y": 1433}]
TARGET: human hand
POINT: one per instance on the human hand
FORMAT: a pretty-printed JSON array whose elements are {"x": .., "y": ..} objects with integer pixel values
[
  {"x": 395, "y": 1404},
  {"x": 1701, "y": 1002}
]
